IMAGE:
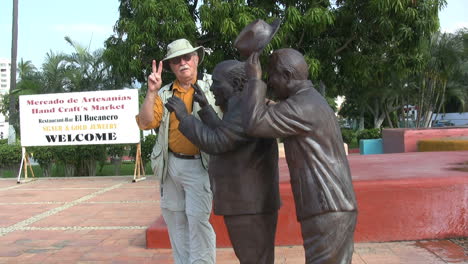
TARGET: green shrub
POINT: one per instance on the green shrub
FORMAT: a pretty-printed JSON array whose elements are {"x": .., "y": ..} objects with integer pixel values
[
  {"x": 147, "y": 145},
  {"x": 372, "y": 133},
  {"x": 45, "y": 156},
  {"x": 116, "y": 150},
  {"x": 10, "y": 156},
  {"x": 80, "y": 160},
  {"x": 348, "y": 135},
  {"x": 68, "y": 157},
  {"x": 88, "y": 157}
]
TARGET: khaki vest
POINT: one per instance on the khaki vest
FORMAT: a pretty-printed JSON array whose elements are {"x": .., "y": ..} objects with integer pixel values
[{"x": 159, "y": 156}]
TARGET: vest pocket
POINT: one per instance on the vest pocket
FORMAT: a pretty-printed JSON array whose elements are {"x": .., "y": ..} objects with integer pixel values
[{"x": 157, "y": 161}]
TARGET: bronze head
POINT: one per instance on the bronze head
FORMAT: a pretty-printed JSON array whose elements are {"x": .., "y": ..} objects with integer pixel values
[
  {"x": 228, "y": 80},
  {"x": 286, "y": 65}
]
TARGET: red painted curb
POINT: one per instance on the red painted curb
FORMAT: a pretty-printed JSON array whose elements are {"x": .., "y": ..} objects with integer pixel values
[{"x": 405, "y": 196}]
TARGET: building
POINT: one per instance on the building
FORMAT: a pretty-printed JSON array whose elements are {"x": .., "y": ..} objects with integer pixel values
[{"x": 5, "y": 70}]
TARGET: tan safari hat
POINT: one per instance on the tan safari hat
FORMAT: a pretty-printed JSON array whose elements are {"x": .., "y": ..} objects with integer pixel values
[{"x": 180, "y": 47}]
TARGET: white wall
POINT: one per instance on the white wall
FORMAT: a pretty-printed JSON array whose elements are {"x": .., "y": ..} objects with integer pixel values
[{"x": 458, "y": 119}]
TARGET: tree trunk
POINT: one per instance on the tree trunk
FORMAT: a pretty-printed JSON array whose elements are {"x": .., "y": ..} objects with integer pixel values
[
  {"x": 444, "y": 86},
  {"x": 378, "y": 120},
  {"x": 361, "y": 120},
  {"x": 70, "y": 170},
  {"x": 117, "y": 162},
  {"x": 390, "y": 123},
  {"x": 46, "y": 169},
  {"x": 12, "y": 120},
  {"x": 91, "y": 167},
  {"x": 428, "y": 118}
]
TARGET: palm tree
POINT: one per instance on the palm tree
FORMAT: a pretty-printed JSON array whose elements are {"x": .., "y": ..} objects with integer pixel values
[
  {"x": 25, "y": 69},
  {"x": 444, "y": 61},
  {"x": 54, "y": 73},
  {"x": 457, "y": 87},
  {"x": 87, "y": 71},
  {"x": 12, "y": 119}
]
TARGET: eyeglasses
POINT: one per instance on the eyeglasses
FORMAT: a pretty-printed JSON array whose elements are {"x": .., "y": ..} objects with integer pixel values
[{"x": 185, "y": 57}]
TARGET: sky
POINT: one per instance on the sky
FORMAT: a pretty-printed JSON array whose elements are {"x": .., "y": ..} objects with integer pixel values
[{"x": 43, "y": 25}]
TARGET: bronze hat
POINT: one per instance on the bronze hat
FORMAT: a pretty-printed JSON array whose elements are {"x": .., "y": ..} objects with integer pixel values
[{"x": 255, "y": 36}]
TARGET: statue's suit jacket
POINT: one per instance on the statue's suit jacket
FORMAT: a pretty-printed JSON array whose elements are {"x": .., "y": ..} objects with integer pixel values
[
  {"x": 243, "y": 170},
  {"x": 318, "y": 166}
]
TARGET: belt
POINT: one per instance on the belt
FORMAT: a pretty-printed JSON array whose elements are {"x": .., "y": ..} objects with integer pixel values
[{"x": 184, "y": 156}]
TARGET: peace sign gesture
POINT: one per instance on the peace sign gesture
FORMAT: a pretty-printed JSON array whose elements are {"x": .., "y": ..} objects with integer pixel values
[{"x": 154, "y": 79}]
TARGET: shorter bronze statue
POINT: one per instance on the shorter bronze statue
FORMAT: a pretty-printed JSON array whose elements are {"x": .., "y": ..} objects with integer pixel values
[
  {"x": 243, "y": 170},
  {"x": 320, "y": 175}
]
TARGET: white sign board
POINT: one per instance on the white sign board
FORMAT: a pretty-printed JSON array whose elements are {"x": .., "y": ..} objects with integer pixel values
[{"x": 84, "y": 118}]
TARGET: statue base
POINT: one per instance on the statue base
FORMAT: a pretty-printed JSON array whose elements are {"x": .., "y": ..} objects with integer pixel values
[{"x": 401, "y": 196}]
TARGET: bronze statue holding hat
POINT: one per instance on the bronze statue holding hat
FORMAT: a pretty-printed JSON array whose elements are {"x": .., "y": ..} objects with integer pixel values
[
  {"x": 186, "y": 197},
  {"x": 320, "y": 175}
]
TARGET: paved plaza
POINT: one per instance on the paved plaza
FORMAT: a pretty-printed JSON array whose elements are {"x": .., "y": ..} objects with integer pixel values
[{"x": 103, "y": 220}]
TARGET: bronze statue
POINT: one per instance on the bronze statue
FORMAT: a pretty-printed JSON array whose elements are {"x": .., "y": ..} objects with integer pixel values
[
  {"x": 243, "y": 170},
  {"x": 320, "y": 175}
]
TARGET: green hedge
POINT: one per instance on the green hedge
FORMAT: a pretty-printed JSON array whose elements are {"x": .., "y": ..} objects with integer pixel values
[
  {"x": 45, "y": 156},
  {"x": 10, "y": 156},
  {"x": 372, "y": 133},
  {"x": 82, "y": 160},
  {"x": 348, "y": 135},
  {"x": 147, "y": 145}
]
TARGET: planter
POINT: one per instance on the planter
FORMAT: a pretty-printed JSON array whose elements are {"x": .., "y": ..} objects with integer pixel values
[{"x": 370, "y": 146}]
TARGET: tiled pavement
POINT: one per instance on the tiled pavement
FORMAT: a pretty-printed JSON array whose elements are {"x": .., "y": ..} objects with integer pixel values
[{"x": 103, "y": 220}]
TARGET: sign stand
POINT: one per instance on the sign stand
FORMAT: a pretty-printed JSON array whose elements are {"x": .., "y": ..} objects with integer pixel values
[
  {"x": 139, "y": 168},
  {"x": 27, "y": 164}
]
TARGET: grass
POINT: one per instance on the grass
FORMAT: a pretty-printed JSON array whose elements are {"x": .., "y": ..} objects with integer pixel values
[{"x": 127, "y": 168}]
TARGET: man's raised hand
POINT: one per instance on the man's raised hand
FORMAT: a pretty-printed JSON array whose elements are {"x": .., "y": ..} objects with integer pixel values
[
  {"x": 154, "y": 79},
  {"x": 253, "y": 69}
]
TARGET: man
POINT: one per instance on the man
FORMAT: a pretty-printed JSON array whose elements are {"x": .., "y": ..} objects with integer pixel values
[
  {"x": 186, "y": 198},
  {"x": 320, "y": 175},
  {"x": 243, "y": 170}
]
